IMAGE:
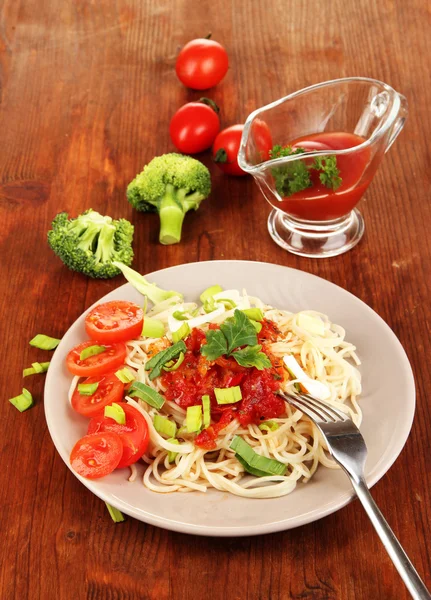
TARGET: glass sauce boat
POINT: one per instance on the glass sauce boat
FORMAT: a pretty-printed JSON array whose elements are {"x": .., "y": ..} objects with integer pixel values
[{"x": 355, "y": 120}]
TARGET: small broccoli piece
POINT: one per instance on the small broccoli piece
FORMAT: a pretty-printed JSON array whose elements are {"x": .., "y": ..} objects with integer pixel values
[
  {"x": 171, "y": 184},
  {"x": 91, "y": 243}
]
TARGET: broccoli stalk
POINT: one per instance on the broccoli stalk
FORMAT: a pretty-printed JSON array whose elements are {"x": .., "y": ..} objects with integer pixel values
[
  {"x": 91, "y": 243},
  {"x": 171, "y": 184}
]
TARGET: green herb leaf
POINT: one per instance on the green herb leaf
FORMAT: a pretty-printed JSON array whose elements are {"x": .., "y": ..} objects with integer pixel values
[
  {"x": 251, "y": 356},
  {"x": 161, "y": 358},
  {"x": 292, "y": 177},
  {"x": 330, "y": 174},
  {"x": 238, "y": 331},
  {"x": 216, "y": 344}
]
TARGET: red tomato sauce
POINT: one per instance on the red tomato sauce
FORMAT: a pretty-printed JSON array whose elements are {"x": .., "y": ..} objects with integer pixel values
[
  {"x": 197, "y": 376},
  {"x": 319, "y": 203}
]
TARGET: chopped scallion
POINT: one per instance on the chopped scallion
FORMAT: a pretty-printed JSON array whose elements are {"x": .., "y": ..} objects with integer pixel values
[
  {"x": 116, "y": 515},
  {"x": 125, "y": 375},
  {"x": 268, "y": 466},
  {"x": 157, "y": 362},
  {"x": 194, "y": 418},
  {"x": 174, "y": 366},
  {"x": 36, "y": 368},
  {"x": 87, "y": 389},
  {"x": 255, "y": 314},
  {"x": 23, "y": 401},
  {"x": 147, "y": 394},
  {"x": 91, "y": 351},
  {"x": 44, "y": 342},
  {"x": 228, "y": 395},
  {"x": 227, "y": 302},
  {"x": 116, "y": 412},
  {"x": 153, "y": 328},
  {"x": 181, "y": 333},
  {"x": 180, "y": 315},
  {"x": 206, "y": 404},
  {"x": 210, "y": 292},
  {"x": 269, "y": 426},
  {"x": 256, "y": 325},
  {"x": 164, "y": 426},
  {"x": 172, "y": 455}
]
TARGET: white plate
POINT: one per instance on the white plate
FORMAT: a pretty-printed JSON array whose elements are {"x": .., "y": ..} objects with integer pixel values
[{"x": 388, "y": 404}]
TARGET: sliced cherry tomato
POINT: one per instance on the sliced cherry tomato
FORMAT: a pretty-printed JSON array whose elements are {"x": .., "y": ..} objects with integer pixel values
[
  {"x": 110, "y": 389},
  {"x": 201, "y": 64},
  {"x": 96, "y": 455},
  {"x": 194, "y": 126},
  {"x": 112, "y": 357},
  {"x": 134, "y": 433},
  {"x": 225, "y": 150},
  {"x": 115, "y": 321}
]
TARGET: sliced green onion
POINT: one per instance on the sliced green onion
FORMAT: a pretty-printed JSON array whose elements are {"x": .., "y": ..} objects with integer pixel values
[
  {"x": 181, "y": 333},
  {"x": 44, "y": 342},
  {"x": 206, "y": 404},
  {"x": 116, "y": 515},
  {"x": 161, "y": 358},
  {"x": 209, "y": 305},
  {"x": 228, "y": 395},
  {"x": 153, "y": 328},
  {"x": 255, "y": 314},
  {"x": 269, "y": 426},
  {"x": 251, "y": 470},
  {"x": 164, "y": 426},
  {"x": 181, "y": 431},
  {"x": 210, "y": 292},
  {"x": 125, "y": 375},
  {"x": 268, "y": 466},
  {"x": 91, "y": 351},
  {"x": 147, "y": 394},
  {"x": 297, "y": 386},
  {"x": 256, "y": 325},
  {"x": 228, "y": 303},
  {"x": 172, "y": 455},
  {"x": 36, "y": 368},
  {"x": 180, "y": 315},
  {"x": 87, "y": 389},
  {"x": 23, "y": 401},
  {"x": 116, "y": 412},
  {"x": 174, "y": 366},
  {"x": 194, "y": 418}
]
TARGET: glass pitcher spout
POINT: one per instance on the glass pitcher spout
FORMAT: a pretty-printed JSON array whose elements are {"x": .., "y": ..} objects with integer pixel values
[{"x": 314, "y": 153}]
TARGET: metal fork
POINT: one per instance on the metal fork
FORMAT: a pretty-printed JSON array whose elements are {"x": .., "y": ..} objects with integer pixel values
[{"x": 347, "y": 446}]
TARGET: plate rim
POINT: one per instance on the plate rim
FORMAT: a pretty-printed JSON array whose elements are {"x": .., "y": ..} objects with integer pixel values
[{"x": 249, "y": 530}]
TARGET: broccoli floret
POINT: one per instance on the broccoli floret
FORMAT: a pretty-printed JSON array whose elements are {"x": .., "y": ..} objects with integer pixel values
[
  {"x": 171, "y": 184},
  {"x": 91, "y": 243}
]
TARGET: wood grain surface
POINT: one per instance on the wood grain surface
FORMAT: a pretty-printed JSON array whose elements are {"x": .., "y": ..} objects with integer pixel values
[{"x": 87, "y": 89}]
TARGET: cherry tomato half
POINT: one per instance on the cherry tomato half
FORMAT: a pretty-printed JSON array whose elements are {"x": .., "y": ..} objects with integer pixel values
[
  {"x": 225, "y": 150},
  {"x": 110, "y": 389},
  {"x": 201, "y": 64},
  {"x": 194, "y": 127},
  {"x": 96, "y": 455},
  {"x": 115, "y": 321},
  {"x": 134, "y": 433},
  {"x": 112, "y": 358}
]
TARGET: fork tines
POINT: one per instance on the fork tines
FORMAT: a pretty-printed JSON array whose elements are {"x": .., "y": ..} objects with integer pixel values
[{"x": 316, "y": 409}]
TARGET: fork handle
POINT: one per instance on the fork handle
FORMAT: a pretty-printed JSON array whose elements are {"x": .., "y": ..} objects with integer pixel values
[{"x": 400, "y": 559}]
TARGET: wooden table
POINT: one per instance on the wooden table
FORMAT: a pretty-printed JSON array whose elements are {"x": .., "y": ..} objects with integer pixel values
[{"x": 87, "y": 90}]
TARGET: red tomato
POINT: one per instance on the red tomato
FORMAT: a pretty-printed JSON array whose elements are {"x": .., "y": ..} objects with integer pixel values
[
  {"x": 110, "y": 389},
  {"x": 115, "y": 321},
  {"x": 97, "y": 455},
  {"x": 225, "y": 150},
  {"x": 194, "y": 127},
  {"x": 134, "y": 433},
  {"x": 262, "y": 138},
  {"x": 201, "y": 64},
  {"x": 112, "y": 358}
]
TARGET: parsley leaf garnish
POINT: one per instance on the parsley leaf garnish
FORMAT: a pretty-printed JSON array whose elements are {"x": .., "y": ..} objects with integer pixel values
[
  {"x": 330, "y": 174},
  {"x": 251, "y": 356},
  {"x": 216, "y": 344},
  {"x": 238, "y": 331},
  {"x": 295, "y": 176}
]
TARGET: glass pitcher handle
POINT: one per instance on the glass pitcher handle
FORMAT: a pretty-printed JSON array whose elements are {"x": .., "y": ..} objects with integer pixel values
[{"x": 399, "y": 121}]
